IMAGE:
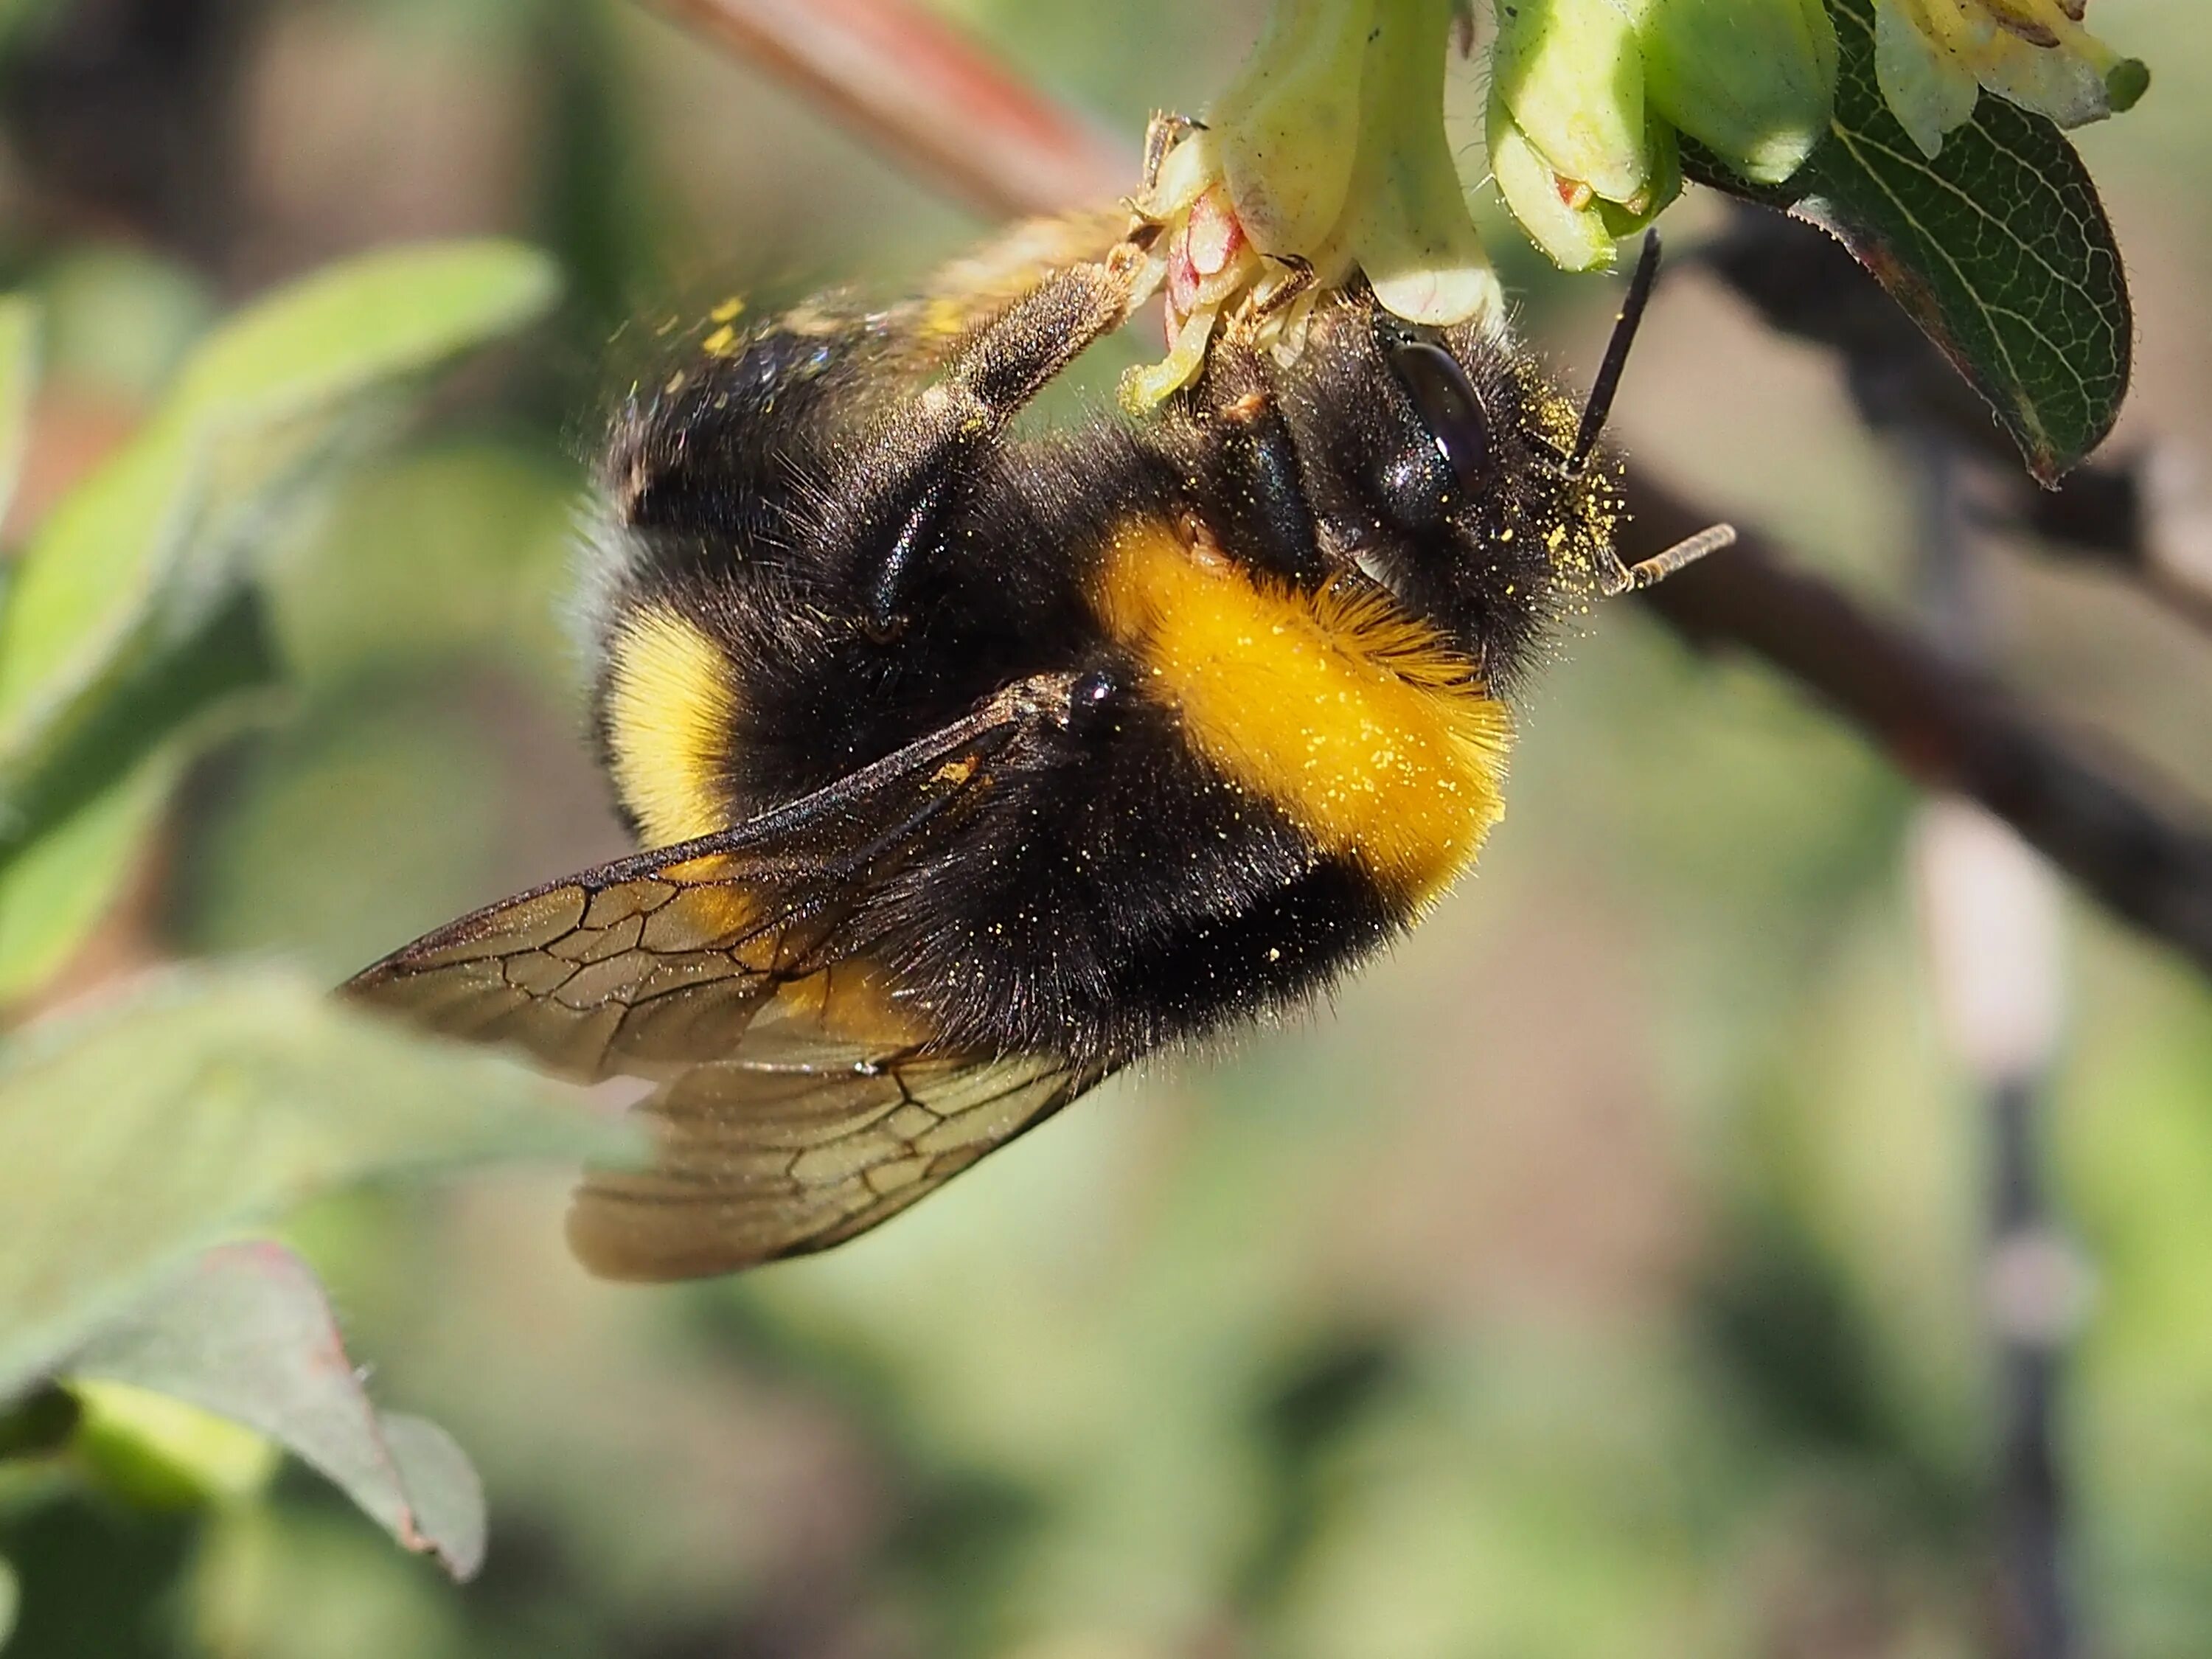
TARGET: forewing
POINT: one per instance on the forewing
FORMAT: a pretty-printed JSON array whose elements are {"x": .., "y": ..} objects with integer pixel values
[
  {"x": 798, "y": 1105},
  {"x": 641, "y": 972},
  {"x": 658, "y": 962}
]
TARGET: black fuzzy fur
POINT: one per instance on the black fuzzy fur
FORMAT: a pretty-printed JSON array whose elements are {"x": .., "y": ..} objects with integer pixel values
[{"x": 1111, "y": 893}]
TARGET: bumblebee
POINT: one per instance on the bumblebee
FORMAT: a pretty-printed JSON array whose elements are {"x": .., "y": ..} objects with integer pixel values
[{"x": 976, "y": 765}]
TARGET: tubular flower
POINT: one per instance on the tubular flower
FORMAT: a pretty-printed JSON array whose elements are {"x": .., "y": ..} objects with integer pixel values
[
  {"x": 1934, "y": 56},
  {"x": 1753, "y": 81},
  {"x": 1586, "y": 97},
  {"x": 1326, "y": 156},
  {"x": 1575, "y": 154}
]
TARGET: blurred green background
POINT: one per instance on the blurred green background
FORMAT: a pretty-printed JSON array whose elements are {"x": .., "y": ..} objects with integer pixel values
[{"x": 1599, "y": 1276}]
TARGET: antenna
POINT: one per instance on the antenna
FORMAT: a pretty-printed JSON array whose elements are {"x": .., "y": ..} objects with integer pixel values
[
  {"x": 1647, "y": 573},
  {"x": 1616, "y": 353}
]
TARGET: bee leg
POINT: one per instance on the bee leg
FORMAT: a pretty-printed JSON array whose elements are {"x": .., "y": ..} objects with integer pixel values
[
  {"x": 1297, "y": 280},
  {"x": 1162, "y": 134},
  {"x": 908, "y": 478},
  {"x": 1260, "y": 509}
]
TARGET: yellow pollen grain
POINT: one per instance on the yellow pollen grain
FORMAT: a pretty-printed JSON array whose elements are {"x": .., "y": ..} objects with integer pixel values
[
  {"x": 728, "y": 311},
  {"x": 670, "y": 705},
  {"x": 721, "y": 343}
]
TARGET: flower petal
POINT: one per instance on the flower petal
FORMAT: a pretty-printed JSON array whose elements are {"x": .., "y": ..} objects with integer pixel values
[
  {"x": 1406, "y": 222},
  {"x": 1926, "y": 87},
  {"x": 1754, "y": 80},
  {"x": 1575, "y": 237},
  {"x": 1572, "y": 75},
  {"x": 1288, "y": 126},
  {"x": 1143, "y": 387},
  {"x": 2061, "y": 81},
  {"x": 2033, "y": 53}
]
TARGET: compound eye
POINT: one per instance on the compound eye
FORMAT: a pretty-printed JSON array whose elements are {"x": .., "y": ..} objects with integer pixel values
[{"x": 1448, "y": 406}]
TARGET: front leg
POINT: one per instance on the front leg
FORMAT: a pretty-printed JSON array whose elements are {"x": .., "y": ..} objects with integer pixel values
[
  {"x": 1256, "y": 501},
  {"x": 893, "y": 500}
]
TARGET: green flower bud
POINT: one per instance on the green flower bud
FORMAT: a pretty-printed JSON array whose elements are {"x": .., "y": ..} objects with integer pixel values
[
  {"x": 1579, "y": 158},
  {"x": 1406, "y": 223},
  {"x": 1625, "y": 219},
  {"x": 1572, "y": 233},
  {"x": 1574, "y": 225},
  {"x": 1326, "y": 157},
  {"x": 1754, "y": 80},
  {"x": 1570, "y": 75},
  {"x": 1288, "y": 126}
]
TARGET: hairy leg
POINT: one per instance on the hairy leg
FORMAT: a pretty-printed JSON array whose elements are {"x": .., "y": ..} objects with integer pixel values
[
  {"x": 1257, "y": 504},
  {"x": 900, "y": 487}
]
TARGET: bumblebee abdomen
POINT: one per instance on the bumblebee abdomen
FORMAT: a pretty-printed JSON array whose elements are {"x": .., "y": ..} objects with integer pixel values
[
  {"x": 668, "y": 702},
  {"x": 1354, "y": 721}
]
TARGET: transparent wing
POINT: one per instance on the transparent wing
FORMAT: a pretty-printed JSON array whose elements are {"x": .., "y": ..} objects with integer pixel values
[
  {"x": 798, "y": 1103},
  {"x": 620, "y": 971},
  {"x": 760, "y": 1158}
]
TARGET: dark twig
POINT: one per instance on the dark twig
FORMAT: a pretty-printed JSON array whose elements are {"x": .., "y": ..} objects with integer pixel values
[
  {"x": 921, "y": 90},
  {"x": 2032, "y": 1509},
  {"x": 1944, "y": 726},
  {"x": 2139, "y": 519}
]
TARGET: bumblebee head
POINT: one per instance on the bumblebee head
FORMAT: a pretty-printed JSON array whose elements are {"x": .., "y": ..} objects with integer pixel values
[{"x": 1449, "y": 470}]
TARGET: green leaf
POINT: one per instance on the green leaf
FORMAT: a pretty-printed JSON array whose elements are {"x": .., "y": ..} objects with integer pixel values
[
  {"x": 139, "y": 1130},
  {"x": 138, "y": 556},
  {"x": 353, "y": 324},
  {"x": 246, "y": 1333},
  {"x": 77, "y": 829},
  {"x": 55, "y": 891},
  {"x": 11, "y": 1601},
  {"x": 1998, "y": 247},
  {"x": 84, "y": 580},
  {"x": 158, "y": 1451},
  {"x": 19, "y": 381}
]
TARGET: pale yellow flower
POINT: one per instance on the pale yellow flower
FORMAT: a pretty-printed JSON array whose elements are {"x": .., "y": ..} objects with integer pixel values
[
  {"x": 1325, "y": 157},
  {"x": 1933, "y": 58}
]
